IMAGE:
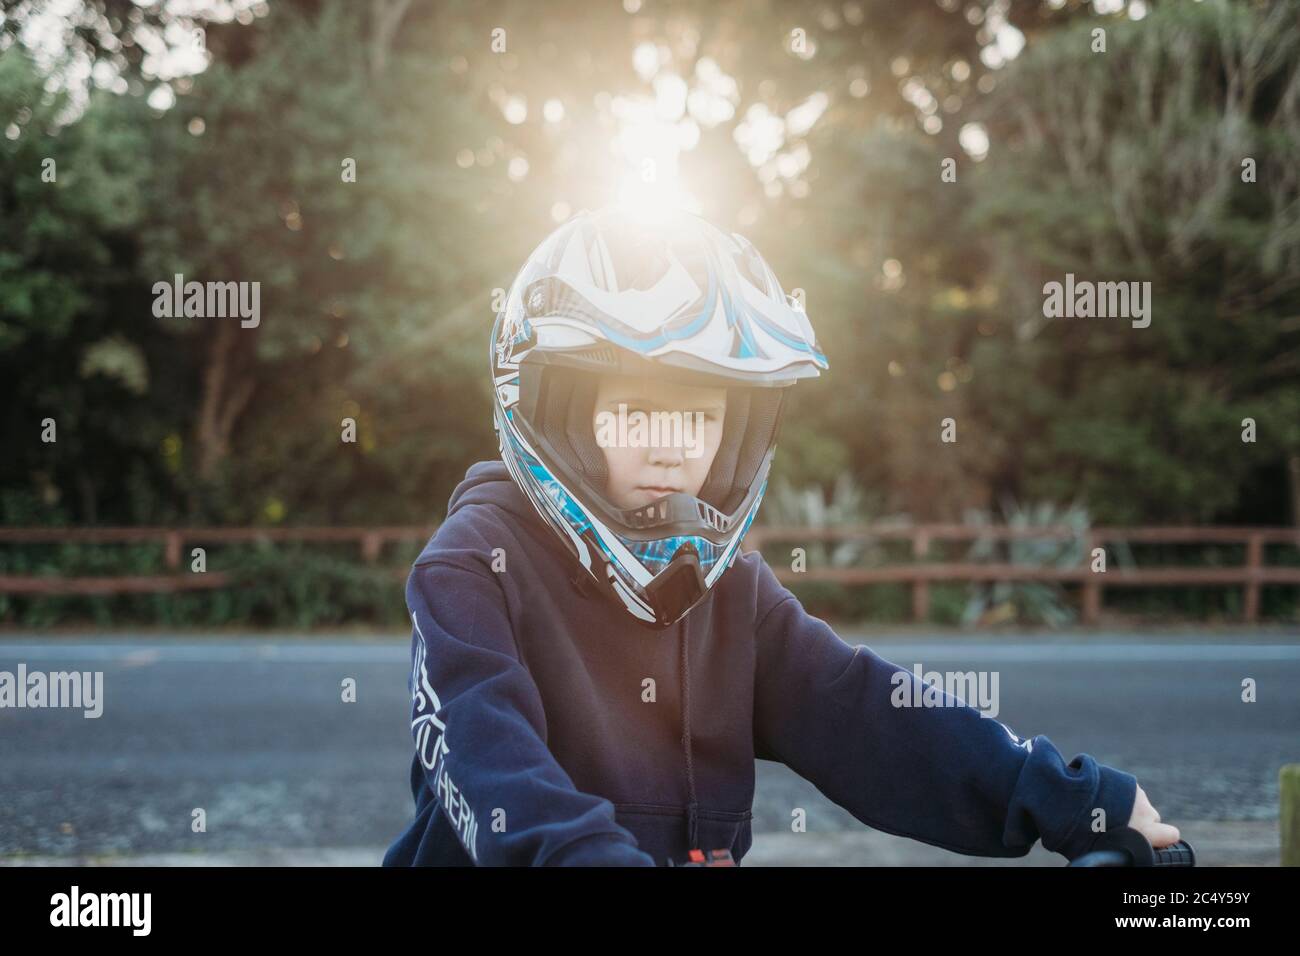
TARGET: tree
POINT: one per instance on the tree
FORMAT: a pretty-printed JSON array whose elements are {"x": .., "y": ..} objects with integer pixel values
[
  {"x": 1132, "y": 165},
  {"x": 70, "y": 201}
]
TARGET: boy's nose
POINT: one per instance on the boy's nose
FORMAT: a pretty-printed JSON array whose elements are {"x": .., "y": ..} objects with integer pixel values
[{"x": 667, "y": 456}]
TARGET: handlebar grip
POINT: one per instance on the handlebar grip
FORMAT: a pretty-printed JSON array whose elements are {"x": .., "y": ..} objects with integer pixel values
[
  {"x": 1176, "y": 854},
  {"x": 1127, "y": 847}
]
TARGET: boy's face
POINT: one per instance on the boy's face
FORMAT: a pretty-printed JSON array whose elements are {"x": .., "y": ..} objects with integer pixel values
[{"x": 651, "y": 455}]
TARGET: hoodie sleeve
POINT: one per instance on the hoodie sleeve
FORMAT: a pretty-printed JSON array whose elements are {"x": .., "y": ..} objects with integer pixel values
[
  {"x": 480, "y": 735},
  {"x": 947, "y": 776}
]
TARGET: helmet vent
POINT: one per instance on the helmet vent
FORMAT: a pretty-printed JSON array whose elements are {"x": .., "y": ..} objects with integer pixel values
[
  {"x": 712, "y": 516},
  {"x": 602, "y": 356},
  {"x": 651, "y": 514}
]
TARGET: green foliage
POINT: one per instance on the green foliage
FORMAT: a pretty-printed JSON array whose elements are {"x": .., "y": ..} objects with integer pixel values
[
  {"x": 71, "y": 198},
  {"x": 1128, "y": 166},
  {"x": 1029, "y": 602},
  {"x": 288, "y": 586}
]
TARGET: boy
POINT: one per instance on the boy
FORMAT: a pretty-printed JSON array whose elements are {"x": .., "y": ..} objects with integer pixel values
[{"x": 597, "y": 665}]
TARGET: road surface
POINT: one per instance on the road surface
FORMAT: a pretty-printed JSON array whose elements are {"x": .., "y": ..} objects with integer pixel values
[{"x": 253, "y": 730}]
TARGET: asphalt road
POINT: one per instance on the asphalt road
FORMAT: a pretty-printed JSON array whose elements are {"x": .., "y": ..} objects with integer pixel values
[{"x": 253, "y": 730}]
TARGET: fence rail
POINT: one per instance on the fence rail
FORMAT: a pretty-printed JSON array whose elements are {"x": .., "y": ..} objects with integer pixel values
[
  {"x": 919, "y": 574},
  {"x": 1250, "y": 576}
]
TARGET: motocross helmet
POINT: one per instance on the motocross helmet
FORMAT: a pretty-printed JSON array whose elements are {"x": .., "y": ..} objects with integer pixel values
[{"x": 679, "y": 300}]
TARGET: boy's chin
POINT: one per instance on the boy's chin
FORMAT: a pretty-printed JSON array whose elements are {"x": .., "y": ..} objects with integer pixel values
[{"x": 639, "y": 498}]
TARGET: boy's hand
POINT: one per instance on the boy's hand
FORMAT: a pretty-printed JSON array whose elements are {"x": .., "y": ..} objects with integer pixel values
[{"x": 1146, "y": 820}]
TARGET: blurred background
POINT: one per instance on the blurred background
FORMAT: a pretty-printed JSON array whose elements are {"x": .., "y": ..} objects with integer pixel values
[
  {"x": 916, "y": 171},
  {"x": 209, "y": 139}
]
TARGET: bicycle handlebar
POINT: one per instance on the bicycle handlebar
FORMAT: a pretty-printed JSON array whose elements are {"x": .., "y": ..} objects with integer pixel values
[
  {"x": 1122, "y": 847},
  {"x": 1128, "y": 847}
]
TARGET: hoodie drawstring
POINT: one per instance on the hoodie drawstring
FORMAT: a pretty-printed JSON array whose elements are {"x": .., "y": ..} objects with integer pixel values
[{"x": 692, "y": 821}]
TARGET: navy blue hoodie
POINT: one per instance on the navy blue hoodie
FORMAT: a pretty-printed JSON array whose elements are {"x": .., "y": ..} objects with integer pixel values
[{"x": 552, "y": 728}]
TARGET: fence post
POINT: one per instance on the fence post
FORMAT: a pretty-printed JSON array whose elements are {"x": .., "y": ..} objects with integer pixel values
[
  {"x": 920, "y": 588},
  {"x": 1289, "y": 813},
  {"x": 1091, "y": 586},
  {"x": 371, "y": 542},
  {"x": 1254, "y": 559},
  {"x": 172, "y": 542}
]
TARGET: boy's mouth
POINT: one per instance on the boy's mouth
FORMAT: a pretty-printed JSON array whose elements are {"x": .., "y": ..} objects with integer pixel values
[{"x": 658, "y": 490}]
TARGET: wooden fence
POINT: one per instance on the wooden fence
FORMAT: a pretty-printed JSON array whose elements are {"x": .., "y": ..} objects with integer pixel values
[{"x": 918, "y": 573}]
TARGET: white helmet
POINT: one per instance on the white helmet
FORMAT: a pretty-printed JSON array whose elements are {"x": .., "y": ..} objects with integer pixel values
[{"x": 678, "y": 300}]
